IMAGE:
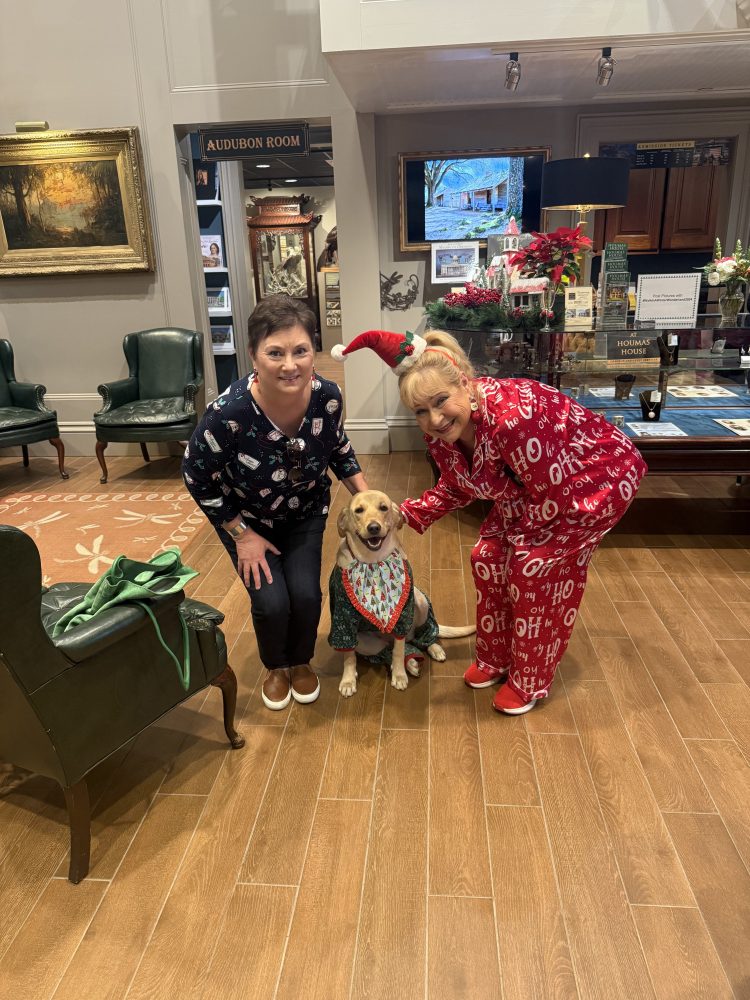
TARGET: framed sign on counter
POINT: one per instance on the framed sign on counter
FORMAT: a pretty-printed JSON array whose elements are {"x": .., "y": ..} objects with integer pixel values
[{"x": 667, "y": 300}]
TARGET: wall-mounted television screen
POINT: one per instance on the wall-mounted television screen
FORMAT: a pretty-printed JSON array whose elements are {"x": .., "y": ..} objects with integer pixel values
[{"x": 468, "y": 195}]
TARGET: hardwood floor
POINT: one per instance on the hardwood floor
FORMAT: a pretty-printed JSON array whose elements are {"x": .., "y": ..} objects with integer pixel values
[{"x": 410, "y": 845}]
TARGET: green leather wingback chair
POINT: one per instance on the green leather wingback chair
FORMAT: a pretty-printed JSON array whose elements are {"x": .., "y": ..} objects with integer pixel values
[
  {"x": 24, "y": 419},
  {"x": 68, "y": 703},
  {"x": 156, "y": 402}
]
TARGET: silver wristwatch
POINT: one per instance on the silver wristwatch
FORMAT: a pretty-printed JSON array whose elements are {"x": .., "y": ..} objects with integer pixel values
[{"x": 238, "y": 530}]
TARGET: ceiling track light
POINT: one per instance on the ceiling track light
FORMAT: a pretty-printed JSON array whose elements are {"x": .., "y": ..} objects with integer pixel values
[
  {"x": 512, "y": 72},
  {"x": 605, "y": 67}
]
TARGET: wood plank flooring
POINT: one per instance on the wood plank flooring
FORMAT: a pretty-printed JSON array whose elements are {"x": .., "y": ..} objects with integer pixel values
[{"x": 412, "y": 845}]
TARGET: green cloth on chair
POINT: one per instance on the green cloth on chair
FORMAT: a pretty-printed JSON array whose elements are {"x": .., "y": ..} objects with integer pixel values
[{"x": 127, "y": 580}]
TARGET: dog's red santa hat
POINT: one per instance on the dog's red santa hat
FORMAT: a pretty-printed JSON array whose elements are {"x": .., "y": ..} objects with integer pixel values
[{"x": 400, "y": 351}]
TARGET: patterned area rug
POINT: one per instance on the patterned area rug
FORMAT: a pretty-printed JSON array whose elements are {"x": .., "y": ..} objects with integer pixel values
[{"x": 80, "y": 534}]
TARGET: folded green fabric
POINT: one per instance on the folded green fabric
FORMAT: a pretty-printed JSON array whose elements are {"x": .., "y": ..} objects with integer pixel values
[{"x": 129, "y": 581}]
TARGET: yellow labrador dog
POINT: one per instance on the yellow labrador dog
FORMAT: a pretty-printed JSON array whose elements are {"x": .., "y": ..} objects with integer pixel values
[{"x": 372, "y": 580}]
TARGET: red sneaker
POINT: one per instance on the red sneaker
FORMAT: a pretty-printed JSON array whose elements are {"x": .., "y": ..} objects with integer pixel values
[
  {"x": 481, "y": 676},
  {"x": 508, "y": 701}
]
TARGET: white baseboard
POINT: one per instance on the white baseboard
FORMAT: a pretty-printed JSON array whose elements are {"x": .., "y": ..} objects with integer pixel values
[
  {"x": 404, "y": 433},
  {"x": 369, "y": 436},
  {"x": 379, "y": 436}
]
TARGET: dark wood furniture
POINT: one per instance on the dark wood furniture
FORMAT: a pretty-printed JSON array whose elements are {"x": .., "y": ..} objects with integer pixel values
[
  {"x": 283, "y": 250},
  {"x": 673, "y": 208}
]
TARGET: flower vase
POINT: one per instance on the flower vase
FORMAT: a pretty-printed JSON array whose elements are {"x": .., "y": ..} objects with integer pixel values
[
  {"x": 548, "y": 306},
  {"x": 730, "y": 304}
]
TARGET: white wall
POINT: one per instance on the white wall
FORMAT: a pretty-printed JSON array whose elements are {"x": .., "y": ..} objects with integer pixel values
[{"x": 355, "y": 25}]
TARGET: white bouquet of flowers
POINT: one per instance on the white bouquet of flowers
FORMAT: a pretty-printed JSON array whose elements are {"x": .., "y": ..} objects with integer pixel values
[{"x": 731, "y": 271}]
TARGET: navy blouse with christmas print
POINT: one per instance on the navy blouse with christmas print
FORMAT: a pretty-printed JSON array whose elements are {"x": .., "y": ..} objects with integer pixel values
[{"x": 238, "y": 462}]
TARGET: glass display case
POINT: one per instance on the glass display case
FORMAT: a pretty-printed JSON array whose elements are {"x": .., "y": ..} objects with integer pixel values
[
  {"x": 682, "y": 395},
  {"x": 282, "y": 249}
]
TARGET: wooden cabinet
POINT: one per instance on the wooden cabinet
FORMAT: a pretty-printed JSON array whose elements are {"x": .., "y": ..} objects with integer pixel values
[
  {"x": 639, "y": 223},
  {"x": 281, "y": 245},
  {"x": 667, "y": 209},
  {"x": 691, "y": 208}
]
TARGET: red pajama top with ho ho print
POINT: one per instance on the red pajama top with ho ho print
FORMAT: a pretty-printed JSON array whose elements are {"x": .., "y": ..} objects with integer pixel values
[
  {"x": 559, "y": 478},
  {"x": 539, "y": 456}
]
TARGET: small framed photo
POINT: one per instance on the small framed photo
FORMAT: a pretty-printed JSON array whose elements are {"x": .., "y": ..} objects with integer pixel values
[
  {"x": 222, "y": 338},
  {"x": 452, "y": 262},
  {"x": 212, "y": 251},
  {"x": 206, "y": 178},
  {"x": 218, "y": 298}
]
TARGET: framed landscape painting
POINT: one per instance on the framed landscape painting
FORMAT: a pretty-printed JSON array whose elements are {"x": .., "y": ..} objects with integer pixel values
[{"x": 73, "y": 202}]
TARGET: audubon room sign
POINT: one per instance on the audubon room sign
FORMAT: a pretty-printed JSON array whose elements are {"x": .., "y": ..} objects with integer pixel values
[{"x": 245, "y": 142}]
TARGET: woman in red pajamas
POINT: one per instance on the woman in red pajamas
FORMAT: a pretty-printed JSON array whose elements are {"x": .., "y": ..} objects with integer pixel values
[{"x": 559, "y": 478}]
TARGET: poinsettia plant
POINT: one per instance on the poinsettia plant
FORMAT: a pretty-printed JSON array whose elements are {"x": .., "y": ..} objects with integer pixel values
[
  {"x": 552, "y": 255},
  {"x": 732, "y": 271}
]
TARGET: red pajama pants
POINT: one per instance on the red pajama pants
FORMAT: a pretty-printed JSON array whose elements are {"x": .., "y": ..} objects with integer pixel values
[{"x": 527, "y": 600}]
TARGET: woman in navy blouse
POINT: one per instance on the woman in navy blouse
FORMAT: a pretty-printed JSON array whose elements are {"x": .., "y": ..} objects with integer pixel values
[{"x": 256, "y": 464}]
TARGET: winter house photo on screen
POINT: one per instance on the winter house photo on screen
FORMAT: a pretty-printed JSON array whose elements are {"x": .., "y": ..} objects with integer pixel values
[
  {"x": 468, "y": 194},
  {"x": 467, "y": 199}
]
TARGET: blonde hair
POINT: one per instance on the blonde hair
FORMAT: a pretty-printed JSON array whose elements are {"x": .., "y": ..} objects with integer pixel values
[{"x": 435, "y": 369}]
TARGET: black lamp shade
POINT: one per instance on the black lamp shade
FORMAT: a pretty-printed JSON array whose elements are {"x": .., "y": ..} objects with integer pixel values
[{"x": 590, "y": 181}]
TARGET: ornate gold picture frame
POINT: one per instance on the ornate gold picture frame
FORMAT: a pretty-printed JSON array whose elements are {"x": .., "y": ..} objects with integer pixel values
[{"x": 73, "y": 202}]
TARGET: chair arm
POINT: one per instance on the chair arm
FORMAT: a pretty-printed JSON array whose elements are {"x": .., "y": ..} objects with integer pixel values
[
  {"x": 190, "y": 391},
  {"x": 109, "y": 627},
  {"x": 28, "y": 395},
  {"x": 115, "y": 394},
  {"x": 199, "y": 616}
]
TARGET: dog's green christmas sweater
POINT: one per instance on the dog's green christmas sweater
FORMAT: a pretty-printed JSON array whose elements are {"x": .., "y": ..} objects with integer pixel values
[{"x": 377, "y": 597}]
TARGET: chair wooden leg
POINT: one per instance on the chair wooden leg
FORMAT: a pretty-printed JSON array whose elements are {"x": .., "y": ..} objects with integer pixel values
[
  {"x": 100, "y": 446},
  {"x": 227, "y": 681},
  {"x": 25, "y": 452},
  {"x": 79, "y": 814},
  {"x": 144, "y": 451},
  {"x": 60, "y": 449}
]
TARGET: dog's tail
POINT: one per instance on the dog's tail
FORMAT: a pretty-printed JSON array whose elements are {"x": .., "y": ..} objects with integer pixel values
[{"x": 456, "y": 631}]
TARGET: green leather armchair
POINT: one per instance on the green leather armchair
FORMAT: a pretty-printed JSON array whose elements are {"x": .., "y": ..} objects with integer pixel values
[
  {"x": 68, "y": 703},
  {"x": 24, "y": 419},
  {"x": 156, "y": 402}
]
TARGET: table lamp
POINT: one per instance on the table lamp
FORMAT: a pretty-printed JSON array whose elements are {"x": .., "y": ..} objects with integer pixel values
[{"x": 584, "y": 184}]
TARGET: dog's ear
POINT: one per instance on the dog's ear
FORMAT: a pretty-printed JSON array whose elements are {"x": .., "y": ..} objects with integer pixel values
[
  {"x": 398, "y": 517},
  {"x": 341, "y": 521}
]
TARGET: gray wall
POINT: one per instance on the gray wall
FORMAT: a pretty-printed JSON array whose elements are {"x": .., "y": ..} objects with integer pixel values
[{"x": 159, "y": 65}]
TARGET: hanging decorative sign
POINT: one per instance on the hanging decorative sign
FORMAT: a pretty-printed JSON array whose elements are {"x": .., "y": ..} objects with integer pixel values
[
  {"x": 246, "y": 142},
  {"x": 672, "y": 153}
]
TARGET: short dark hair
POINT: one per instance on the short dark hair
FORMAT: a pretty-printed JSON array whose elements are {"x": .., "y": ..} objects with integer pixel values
[{"x": 278, "y": 312}]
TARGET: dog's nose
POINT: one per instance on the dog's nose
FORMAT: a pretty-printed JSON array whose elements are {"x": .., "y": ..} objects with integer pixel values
[{"x": 373, "y": 528}]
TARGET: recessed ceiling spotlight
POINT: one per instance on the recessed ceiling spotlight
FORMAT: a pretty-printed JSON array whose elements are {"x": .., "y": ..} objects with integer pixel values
[
  {"x": 605, "y": 67},
  {"x": 512, "y": 72},
  {"x": 263, "y": 166}
]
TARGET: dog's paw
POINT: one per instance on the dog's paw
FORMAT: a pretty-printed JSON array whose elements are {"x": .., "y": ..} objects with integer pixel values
[
  {"x": 413, "y": 667},
  {"x": 399, "y": 681},
  {"x": 436, "y": 652},
  {"x": 348, "y": 687}
]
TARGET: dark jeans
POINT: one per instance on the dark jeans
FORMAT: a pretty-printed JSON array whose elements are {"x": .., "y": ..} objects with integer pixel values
[{"x": 286, "y": 613}]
